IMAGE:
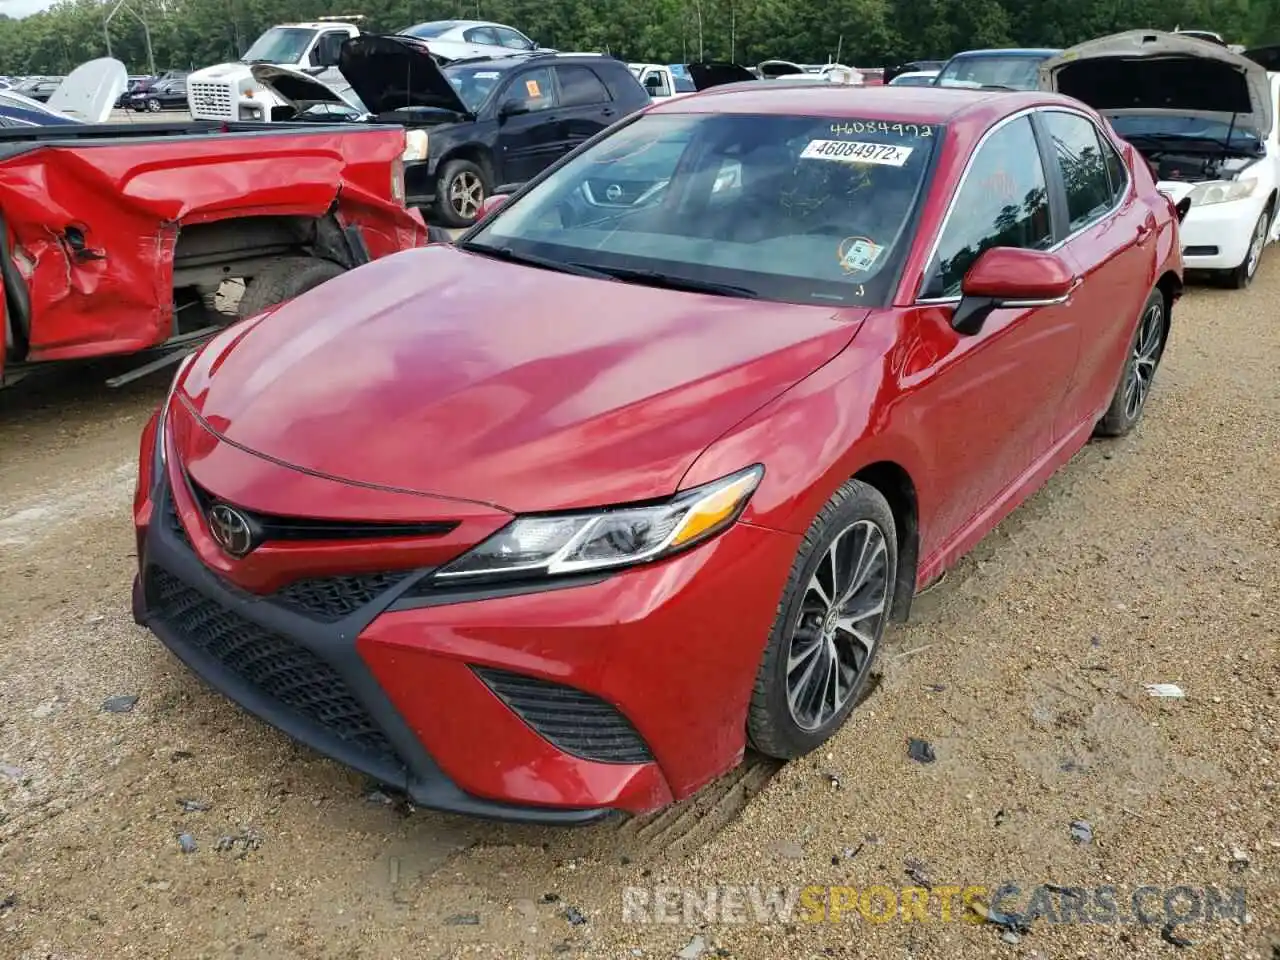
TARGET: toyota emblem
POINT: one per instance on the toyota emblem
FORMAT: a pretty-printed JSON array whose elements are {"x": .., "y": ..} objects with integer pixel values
[
  {"x": 230, "y": 530},
  {"x": 613, "y": 193}
]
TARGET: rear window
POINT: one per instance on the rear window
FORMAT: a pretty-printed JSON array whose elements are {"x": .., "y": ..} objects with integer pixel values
[
  {"x": 429, "y": 30},
  {"x": 796, "y": 209}
]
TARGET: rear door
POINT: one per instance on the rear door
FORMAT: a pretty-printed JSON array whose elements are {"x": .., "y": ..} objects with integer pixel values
[
  {"x": 1111, "y": 243},
  {"x": 585, "y": 107},
  {"x": 531, "y": 139}
]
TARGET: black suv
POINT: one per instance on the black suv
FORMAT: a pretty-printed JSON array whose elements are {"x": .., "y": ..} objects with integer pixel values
[{"x": 490, "y": 121}]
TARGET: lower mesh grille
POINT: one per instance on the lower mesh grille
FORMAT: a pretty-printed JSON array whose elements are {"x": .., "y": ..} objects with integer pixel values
[
  {"x": 276, "y": 666},
  {"x": 574, "y": 721},
  {"x": 331, "y": 598}
]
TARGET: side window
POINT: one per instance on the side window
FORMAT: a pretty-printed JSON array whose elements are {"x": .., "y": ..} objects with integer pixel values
[
  {"x": 325, "y": 52},
  {"x": 1117, "y": 173},
  {"x": 532, "y": 89},
  {"x": 655, "y": 83},
  {"x": 1084, "y": 171},
  {"x": 580, "y": 87},
  {"x": 1003, "y": 202},
  {"x": 482, "y": 35},
  {"x": 509, "y": 38}
]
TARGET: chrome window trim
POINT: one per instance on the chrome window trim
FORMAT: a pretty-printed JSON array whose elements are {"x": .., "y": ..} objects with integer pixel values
[{"x": 968, "y": 168}]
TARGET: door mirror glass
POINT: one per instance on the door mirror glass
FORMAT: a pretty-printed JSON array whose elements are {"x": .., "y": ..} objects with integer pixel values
[{"x": 491, "y": 204}]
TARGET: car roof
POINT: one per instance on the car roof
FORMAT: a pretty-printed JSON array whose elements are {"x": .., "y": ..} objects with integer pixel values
[
  {"x": 1009, "y": 52},
  {"x": 517, "y": 58},
  {"x": 841, "y": 101}
]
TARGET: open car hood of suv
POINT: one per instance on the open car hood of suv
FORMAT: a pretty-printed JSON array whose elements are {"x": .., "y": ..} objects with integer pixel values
[
  {"x": 393, "y": 72},
  {"x": 705, "y": 75},
  {"x": 299, "y": 90},
  {"x": 1147, "y": 71}
]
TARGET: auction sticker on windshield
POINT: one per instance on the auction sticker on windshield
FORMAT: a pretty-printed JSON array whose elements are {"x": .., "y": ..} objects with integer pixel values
[{"x": 856, "y": 151}]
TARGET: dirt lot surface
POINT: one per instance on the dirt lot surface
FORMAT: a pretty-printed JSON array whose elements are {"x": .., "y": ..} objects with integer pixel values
[{"x": 1151, "y": 559}]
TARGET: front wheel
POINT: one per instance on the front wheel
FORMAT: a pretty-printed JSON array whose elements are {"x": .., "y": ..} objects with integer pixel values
[
  {"x": 829, "y": 624},
  {"x": 461, "y": 188},
  {"x": 283, "y": 280},
  {"x": 153, "y": 106},
  {"x": 1243, "y": 275},
  {"x": 1145, "y": 353}
]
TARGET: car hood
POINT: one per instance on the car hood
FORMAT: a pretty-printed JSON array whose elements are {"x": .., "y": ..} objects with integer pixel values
[
  {"x": 706, "y": 75},
  {"x": 297, "y": 89},
  {"x": 447, "y": 373},
  {"x": 394, "y": 72},
  {"x": 1147, "y": 71},
  {"x": 91, "y": 90}
]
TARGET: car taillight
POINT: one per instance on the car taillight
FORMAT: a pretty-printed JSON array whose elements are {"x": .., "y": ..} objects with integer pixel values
[{"x": 397, "y": 180}]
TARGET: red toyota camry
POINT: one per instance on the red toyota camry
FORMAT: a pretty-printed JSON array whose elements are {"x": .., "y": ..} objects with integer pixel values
[{"x": 559, "y": 520}]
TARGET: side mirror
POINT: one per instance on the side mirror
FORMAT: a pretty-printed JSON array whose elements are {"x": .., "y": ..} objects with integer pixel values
[
  {"x": 512, "y": 108},
  {"x": 1181, "y": 207},
  {"x": 491, "y": 204},
  {"x": 1010, "y": 277}
]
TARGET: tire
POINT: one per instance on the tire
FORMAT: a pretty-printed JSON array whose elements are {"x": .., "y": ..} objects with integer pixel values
[
  {"x": 1146, "y": 349},
  {"x": 285, "y": 279},
  {"x": 153, "y": 106},
  {"x": 458, "y": 179},
  {"x": 1243, "y": 275},
  {"x": 809, "y": 629}
]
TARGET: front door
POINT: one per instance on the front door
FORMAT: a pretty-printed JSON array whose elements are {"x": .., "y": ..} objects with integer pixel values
[
  {"x": 1110, "y": 240},
  {"x": 529, "y": 140},
  {"x": 989, "y": 402}
]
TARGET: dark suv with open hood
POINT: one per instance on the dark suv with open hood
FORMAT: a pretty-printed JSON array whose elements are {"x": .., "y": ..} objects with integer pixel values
[{"x": 474, "y": 124}]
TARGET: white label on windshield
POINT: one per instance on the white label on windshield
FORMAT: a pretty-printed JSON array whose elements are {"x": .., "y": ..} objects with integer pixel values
[
  {"x": 488, "y": 75},
  {"x": 854, "y": 151}
]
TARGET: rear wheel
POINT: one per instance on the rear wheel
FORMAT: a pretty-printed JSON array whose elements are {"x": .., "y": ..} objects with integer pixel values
[
  {"x": 1145, "y": 352},
  {"x": 283, "y": 280},
  {"x": 461, "y": 188},
  {"x": 829, "y": 624},
  {"x": 153, "y": 106}
]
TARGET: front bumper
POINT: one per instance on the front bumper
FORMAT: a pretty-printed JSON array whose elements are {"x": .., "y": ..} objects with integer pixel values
[
  {"x": 426, "y": 692},
  {"x": 420, "y": 182},
  {"x": 1216, "y": 236}
]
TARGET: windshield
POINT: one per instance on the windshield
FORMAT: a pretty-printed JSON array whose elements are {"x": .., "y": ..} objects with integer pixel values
[
  {"x": 1016, "y": 72},
  {"x": 797, "y": 209},
  {"x": 280, "y": 45},
  {"x": 473, "y": 84},
  {"x": 428, "y": 30},
  {"x": 680, "y": 78},
  {"x": 1181, "y": 125}
]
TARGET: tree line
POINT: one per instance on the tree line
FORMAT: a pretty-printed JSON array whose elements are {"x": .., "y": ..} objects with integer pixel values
[{"x": 189, "y": 34}]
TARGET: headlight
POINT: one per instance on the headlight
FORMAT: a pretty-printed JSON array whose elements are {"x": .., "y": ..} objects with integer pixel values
[
  {"x": 415, "y": 146},
  {"x": 552, "y": 545},
  {"x": 1220, "y": 191}
]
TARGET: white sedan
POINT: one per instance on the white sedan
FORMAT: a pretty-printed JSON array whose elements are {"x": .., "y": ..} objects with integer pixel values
[
  {"x": 457, "y": 39},
  {"x": 1204, "y": 119}
]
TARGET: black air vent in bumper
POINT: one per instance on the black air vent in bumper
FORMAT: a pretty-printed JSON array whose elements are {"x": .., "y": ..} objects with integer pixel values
[{"x": 575, "y": 722}]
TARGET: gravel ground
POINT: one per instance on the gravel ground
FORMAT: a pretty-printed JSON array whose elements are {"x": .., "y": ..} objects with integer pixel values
[{"x": 1151, "y": 559}]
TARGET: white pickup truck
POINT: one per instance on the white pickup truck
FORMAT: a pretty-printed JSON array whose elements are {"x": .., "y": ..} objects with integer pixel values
[
  {"x": 229, "y": 92},
  {"x": 667, "y": 81}
]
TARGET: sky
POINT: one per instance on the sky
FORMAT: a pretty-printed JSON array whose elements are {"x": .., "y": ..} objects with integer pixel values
[{"x": 22, "y": 8}]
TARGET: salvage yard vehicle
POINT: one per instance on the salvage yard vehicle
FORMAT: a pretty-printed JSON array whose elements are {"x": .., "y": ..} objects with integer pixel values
[
  {"x": 228, "y": 92},
  {"x": 1204, "y": 118},
  {"x": 555, "y": 521},
  {"x": 465, "y": 39},
  {"x": 116, "y": 238},
  {"x": 671, "y": 80},
  {"x": 165, "y": 95},
  {"x": 1011, "y": 69},
  {"x": 473, "y": 124}
]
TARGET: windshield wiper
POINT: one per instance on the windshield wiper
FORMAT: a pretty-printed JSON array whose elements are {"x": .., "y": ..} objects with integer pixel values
[
  {"x": 651, "y": 278},
  {"x": 532, "y": 260}
]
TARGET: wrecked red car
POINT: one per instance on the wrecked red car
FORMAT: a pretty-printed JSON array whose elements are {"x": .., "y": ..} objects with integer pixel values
[{"x": 117, "y": 239}]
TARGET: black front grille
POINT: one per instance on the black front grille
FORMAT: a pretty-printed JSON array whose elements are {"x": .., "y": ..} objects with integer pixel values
[
  {"x": 272, "y": 664},
  {"x": 574, "y": 721},
  {"x": 329, "y": 599}
]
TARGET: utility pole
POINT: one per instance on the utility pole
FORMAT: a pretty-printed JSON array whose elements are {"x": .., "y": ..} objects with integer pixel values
[{"x": 146, "y": 30}]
